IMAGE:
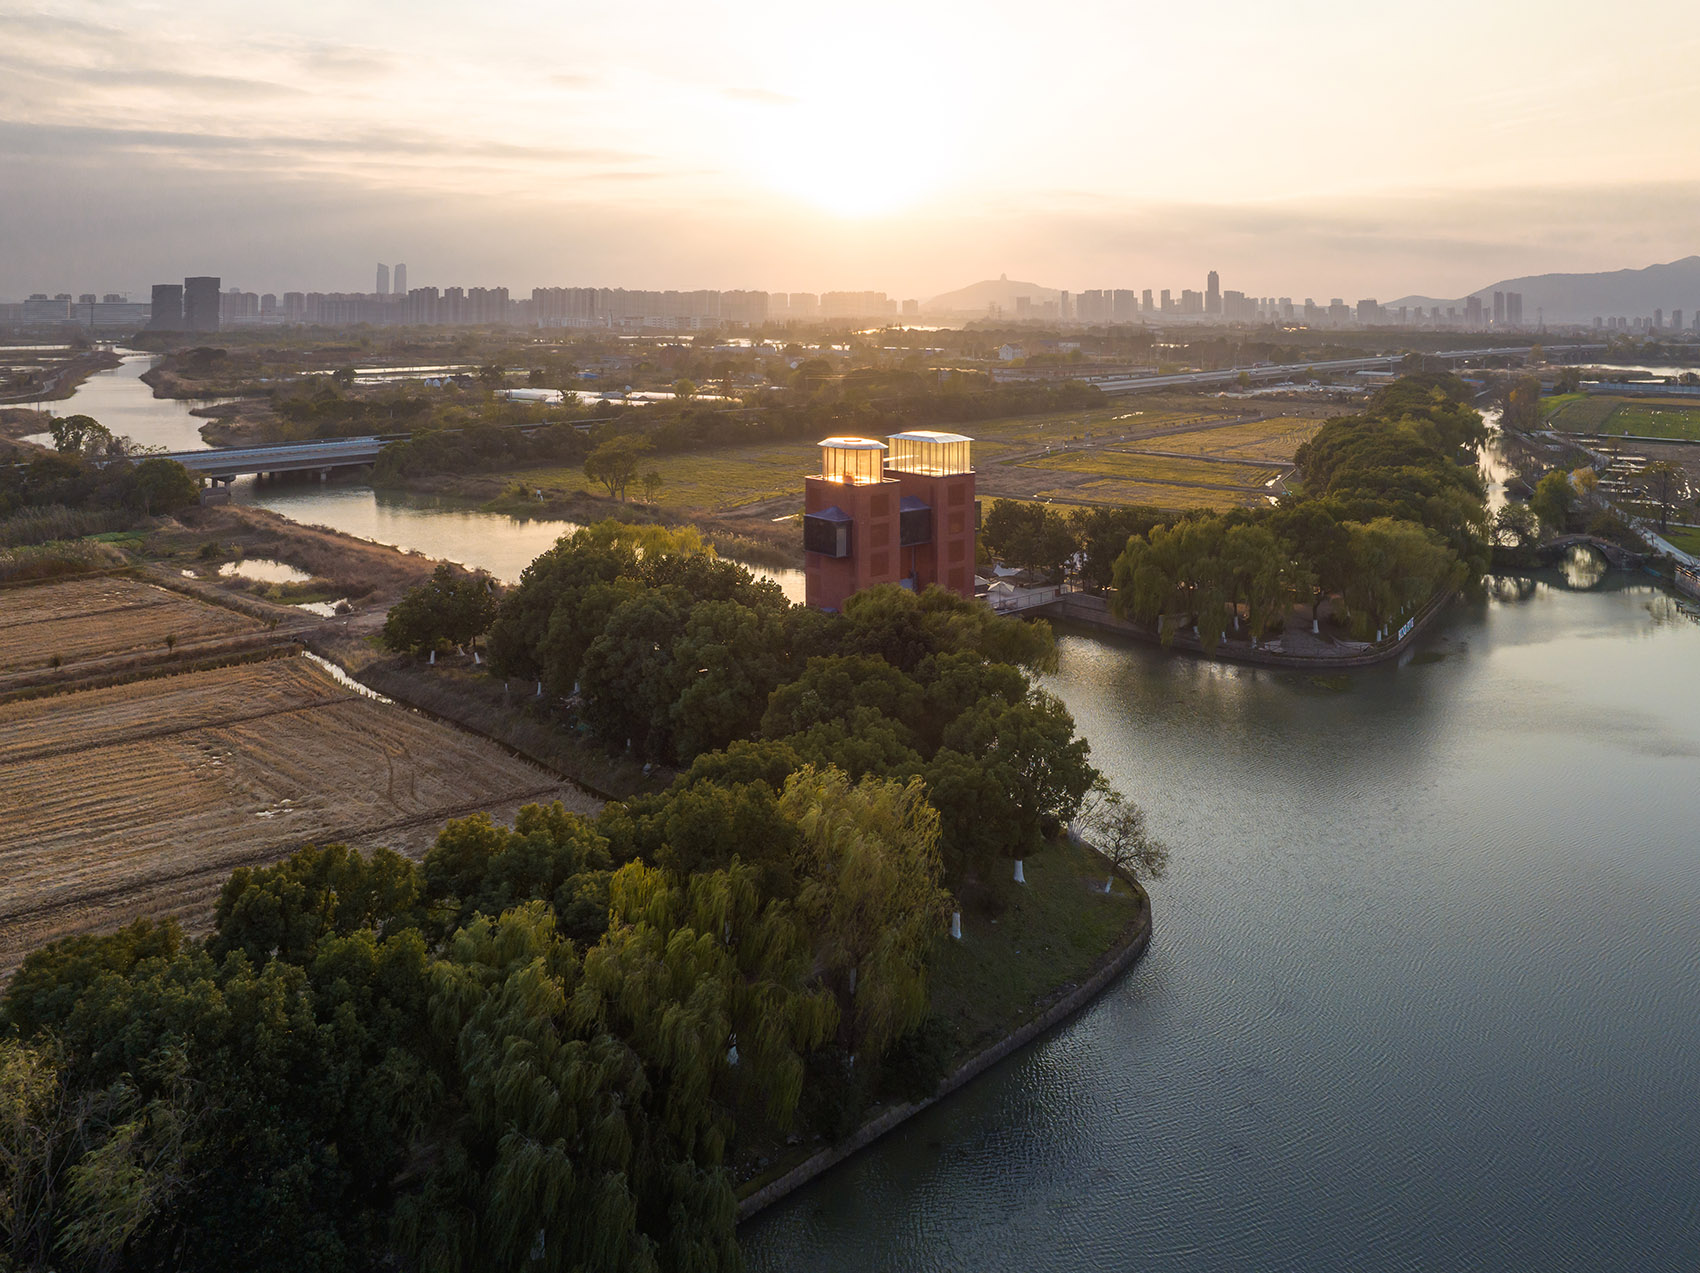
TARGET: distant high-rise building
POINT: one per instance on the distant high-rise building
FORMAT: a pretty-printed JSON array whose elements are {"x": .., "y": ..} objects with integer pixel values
[
  {"x": 1658, "y": 319},
  {"x": 383, "y": 279},
  {"x": 1124, "y": 307},
  {"x": 400, "y": 279},
  {"x": 1676, "y": 320},
  {"x": 166, "y": 315},
  {"x": 200, "y": 304},
  {"x": 1514, "y": 308},
  {"x": 1473, "y": 312},
  {"x": 1145, "y": 302},
  {"x": 1499, "y": 309},
  {"x": 1213, "y": 293}
]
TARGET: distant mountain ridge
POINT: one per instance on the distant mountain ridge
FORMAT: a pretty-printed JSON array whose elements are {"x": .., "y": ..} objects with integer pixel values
[{"x": 1580, "y": 298}]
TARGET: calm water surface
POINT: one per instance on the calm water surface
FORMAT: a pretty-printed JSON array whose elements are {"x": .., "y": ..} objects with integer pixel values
[{"x": 1423, "y": 992}]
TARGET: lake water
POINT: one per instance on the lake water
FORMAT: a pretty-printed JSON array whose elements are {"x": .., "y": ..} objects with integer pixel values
[{"x": 1423, "y": 992}]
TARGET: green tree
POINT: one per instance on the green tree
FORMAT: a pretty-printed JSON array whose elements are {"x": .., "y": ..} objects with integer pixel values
[
  {"x": 615, "y": 462},
  {"x": 164, "y": 486},
  {"x": 79, "y": 435},
  {"x": 1553, "y": 498},
  {"x": 449, "y": 608},
  {"x": 1120, "y": 831},
  {"x": 1516, "y": 526},
  {"x": 871, "y": 897},
  {"x": 1005, "y": 776}
]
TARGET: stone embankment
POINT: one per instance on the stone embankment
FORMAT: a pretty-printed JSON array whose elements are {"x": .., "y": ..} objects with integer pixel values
[{"x": 1068, "y": 1000}]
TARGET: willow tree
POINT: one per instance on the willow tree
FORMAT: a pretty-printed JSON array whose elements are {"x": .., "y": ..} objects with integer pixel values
[{"x": 870, "y": 897}]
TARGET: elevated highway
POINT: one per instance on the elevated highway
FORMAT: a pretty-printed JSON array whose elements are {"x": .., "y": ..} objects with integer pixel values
[{"x": 1275, "y": 372}]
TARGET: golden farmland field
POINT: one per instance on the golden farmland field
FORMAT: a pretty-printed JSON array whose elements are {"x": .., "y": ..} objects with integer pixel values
[
  {"x": 1137, "y": 467},
  {"x": 141, "y": 798},
  {"x": 1272, "y": 441},
  {"x": 89, "y": 618}
]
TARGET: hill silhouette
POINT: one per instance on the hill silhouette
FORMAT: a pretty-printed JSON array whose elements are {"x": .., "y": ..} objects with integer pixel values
[
  {"x": 1579, "y": 298},
  {"x": 974, "y": 298}
]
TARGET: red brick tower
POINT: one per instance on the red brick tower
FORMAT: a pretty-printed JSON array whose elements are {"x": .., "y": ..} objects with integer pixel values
[
  {"x": 939, "y": 519},
  {"x": 849, "y": 522},
  {"x": 909, "y": 519}
]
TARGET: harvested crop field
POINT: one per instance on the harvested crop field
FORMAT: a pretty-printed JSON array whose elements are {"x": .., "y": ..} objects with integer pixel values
[
  {"x": 1273, "y": 441},
  {"x": 141, "y": 798},
  {"x": 82, "y": 619},
  {"x": 1132, "y": 466}
]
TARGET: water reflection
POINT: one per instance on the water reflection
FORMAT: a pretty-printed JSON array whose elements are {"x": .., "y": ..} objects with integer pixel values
[
  {"x": 1583, "y": 567},
  {"x": 1422, "y": 977},
  {"x": 120, "y": 401},
  {"x": 264, "y": 570}
]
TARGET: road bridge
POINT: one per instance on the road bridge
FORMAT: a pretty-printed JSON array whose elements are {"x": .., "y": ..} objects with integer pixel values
[{"x": 224, "y": 464}]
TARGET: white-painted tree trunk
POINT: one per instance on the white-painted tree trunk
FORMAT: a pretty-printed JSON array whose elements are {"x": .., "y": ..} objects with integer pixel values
[
  {"x": 1316, "y": 627},
  {"x": 1108, "y": 883},
  {"x": 1020, "y": 875},
  {"x": 852, "y": 983},
  {"x": 433, "y": 658},
  {"x": 956, "y": 925}
]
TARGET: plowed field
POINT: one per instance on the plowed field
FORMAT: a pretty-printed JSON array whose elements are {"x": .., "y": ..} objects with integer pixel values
[
  {"x": 90, "y": 618},
  {"x": 141, "y": 798}
]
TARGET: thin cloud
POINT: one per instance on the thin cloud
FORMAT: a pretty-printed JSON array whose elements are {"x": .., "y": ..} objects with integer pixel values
[
  {"x": 759, "y": 96},
  {"x": 21, "y": 137}
]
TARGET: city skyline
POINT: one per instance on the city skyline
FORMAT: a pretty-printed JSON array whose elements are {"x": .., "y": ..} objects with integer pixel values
[{"x": 792, "y": 150}]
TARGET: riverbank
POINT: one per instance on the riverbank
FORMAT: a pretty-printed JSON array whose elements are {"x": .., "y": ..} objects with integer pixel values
[
  {"x": 756, "y": 540},
  {"x": 979, "y": 961},
  {"x": 62, "y": 381},
  {"x": 1088, "y": 610}
]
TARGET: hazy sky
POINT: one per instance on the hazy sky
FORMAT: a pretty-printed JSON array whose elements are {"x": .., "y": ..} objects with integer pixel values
[{"x": 1316, "y": 147}]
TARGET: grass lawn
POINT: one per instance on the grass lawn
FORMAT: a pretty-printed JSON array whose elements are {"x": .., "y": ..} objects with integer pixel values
[
  {"x": 1686, "y": 538},
  {"x": 1579, "y": 412},
  {"x": 716, "y": 481},
  {"x": 1051, "y": 931},
  {"x": 1635, "y": 417},
  {"x": 1656, "y": 420},
  {"x": 1130, "y": 466}
]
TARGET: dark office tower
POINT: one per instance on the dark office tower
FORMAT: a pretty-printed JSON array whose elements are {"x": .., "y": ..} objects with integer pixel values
[
  {"x": 1514, "y": 308},
  {"x": 167, "y": 311},
  {"x": 383, "y": 279},
  {"x": 1213, "y": 293},
  {"x": 1499, "y": 309},
  {"x": 400, "y": 279},
  {"x": 200, "y": 304}
]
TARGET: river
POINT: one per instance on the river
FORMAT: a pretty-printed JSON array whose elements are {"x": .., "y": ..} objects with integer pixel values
[
  {"x": 1423, "y": 991},
  {"x": 446, "y": 529}
]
